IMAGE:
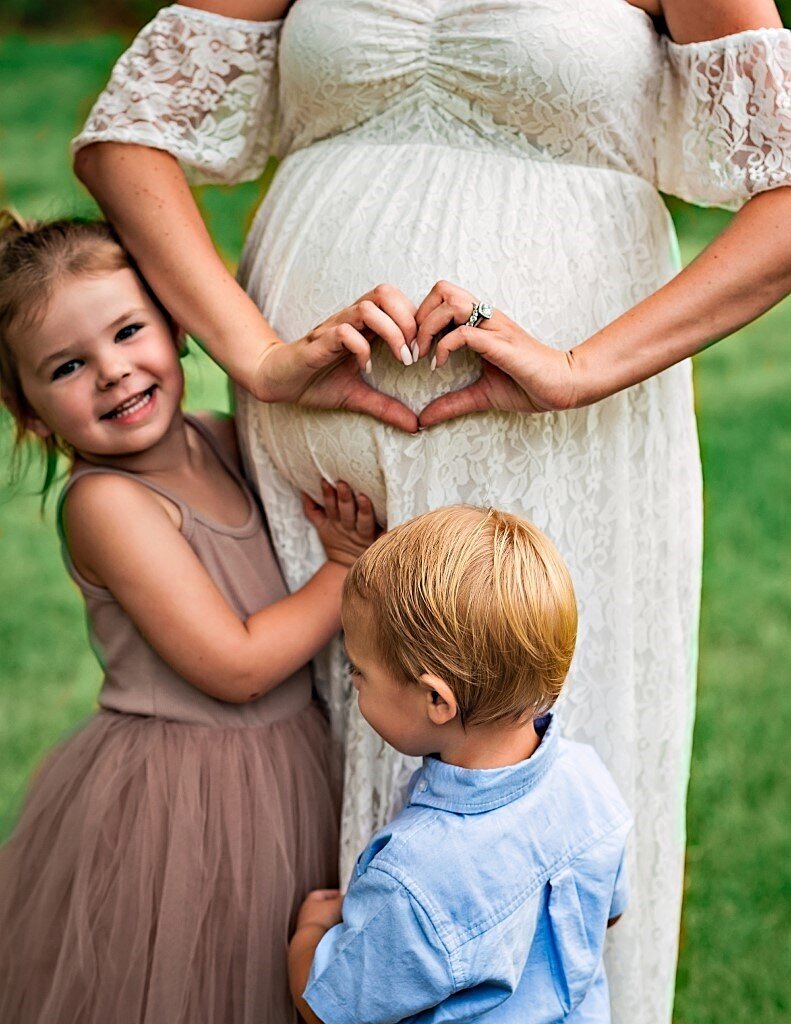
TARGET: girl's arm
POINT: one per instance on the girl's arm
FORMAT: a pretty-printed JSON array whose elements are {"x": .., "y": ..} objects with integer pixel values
[{"x": 120, "y": 534}]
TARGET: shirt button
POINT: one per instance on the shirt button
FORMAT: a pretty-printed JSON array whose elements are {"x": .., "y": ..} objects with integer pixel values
[{"x": 422, "y": 786}]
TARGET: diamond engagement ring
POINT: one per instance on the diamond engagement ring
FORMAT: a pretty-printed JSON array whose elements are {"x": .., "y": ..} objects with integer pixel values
[{"x": 480, "y": 311}]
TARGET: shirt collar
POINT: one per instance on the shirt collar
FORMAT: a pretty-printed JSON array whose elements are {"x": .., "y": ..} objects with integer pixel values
[{"x": 475, "y": 790}]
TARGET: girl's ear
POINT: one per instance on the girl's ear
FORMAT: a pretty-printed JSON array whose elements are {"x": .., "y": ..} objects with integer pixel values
[
  {"x": 180, "y": 337},
  {"x": 441, "y": 706},
  {"x": 38, "y": 427}
]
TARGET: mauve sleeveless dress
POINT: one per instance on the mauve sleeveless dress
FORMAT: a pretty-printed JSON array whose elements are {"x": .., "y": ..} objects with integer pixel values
[{"x": 164, "y": 849}]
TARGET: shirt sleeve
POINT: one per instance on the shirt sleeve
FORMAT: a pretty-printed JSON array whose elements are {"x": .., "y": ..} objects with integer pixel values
[
  {"x": 620, "y": 895},
  {"x": 198, "y": 85},
  {"x": 725, "y": 118},
  {"x": 384, "y": 963}
]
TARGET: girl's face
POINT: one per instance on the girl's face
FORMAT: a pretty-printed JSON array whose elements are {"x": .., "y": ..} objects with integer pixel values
[{"x": 101, "y": 369}]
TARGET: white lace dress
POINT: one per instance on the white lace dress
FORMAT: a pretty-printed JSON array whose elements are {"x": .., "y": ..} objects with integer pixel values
[{"x": 514, "y": 147}]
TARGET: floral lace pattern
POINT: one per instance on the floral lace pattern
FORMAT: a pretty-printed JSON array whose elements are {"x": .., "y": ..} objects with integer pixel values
[
  {"x": 200, "y": 87},
  {"x": 726, "y": 116},
  {"x": 515, "y": 147}
]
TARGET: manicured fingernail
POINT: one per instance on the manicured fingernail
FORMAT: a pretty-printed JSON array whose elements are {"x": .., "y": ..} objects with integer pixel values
[
  {"x": 406, "y": 356},
  {"x": 369, "y": 366},
  {"x": 433, "y": 364},
  {"x": 415, "y": 351}
]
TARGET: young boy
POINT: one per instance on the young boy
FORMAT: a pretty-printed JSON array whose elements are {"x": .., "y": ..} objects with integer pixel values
[{"x": 489, "y": 895}]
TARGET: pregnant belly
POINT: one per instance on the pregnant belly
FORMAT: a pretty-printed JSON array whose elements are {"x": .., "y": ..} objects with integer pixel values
[
  {"x": 562, "y": 250},
  {"x": 308, "y": 445}
]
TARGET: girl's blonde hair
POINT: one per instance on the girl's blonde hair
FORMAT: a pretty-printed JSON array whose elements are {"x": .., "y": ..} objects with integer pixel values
[
  {"x": 34, "y": 258},
  {"x": 480, "y": 598}
]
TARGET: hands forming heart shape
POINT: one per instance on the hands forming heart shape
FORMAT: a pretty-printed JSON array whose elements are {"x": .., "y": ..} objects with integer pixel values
[{"x": 322, "y": 370}]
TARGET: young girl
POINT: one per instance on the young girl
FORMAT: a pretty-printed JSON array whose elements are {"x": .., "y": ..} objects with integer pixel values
[{"x": 158, "y": 865}]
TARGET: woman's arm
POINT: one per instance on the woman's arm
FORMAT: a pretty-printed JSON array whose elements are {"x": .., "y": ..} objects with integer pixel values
[
  {"x": 740, "y": 275},
  {"x": 250, "y": 10},
  {"x": 743, "y": 273},
  {"x": 130, "y": 155},
  {"x": 120, "y": 534},
  {"x": 145, "y": 195},
  {"x": 711, "y": 19}
]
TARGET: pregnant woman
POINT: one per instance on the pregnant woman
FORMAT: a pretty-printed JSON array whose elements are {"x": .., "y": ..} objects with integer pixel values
[{"x": 513, "y": 148}]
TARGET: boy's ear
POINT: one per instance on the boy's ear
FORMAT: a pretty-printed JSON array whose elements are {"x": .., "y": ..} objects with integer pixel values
[{"x": 441, "y": 706}]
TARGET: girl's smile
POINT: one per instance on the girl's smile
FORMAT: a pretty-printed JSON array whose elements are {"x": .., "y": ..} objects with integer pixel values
[
  {"x": 134, "y": 408},
  {"x": 101, "y": 367}
]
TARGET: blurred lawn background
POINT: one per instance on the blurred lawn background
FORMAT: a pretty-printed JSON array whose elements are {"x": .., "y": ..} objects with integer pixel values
[{"x": 736, "y": 941}]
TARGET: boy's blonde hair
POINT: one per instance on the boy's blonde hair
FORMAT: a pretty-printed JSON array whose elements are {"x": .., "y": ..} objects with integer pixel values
[{"x": 480, "y": 598}]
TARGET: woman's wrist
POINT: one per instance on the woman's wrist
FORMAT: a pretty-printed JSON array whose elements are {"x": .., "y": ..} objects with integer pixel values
[
  {"x": 261, "y": 384},
  {"x": 589, "y": 381},
  {"x": 608, "y": 362}
]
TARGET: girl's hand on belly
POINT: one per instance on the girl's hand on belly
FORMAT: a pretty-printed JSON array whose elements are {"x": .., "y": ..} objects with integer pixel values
[
  {"x": 345, "y": 523},
  {"x": 520, "y": 374},
  {"x": 322, "y": 369}
]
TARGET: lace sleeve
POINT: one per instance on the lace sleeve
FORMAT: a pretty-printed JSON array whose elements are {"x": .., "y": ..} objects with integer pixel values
[
  {"x": 198, "y": 85},
  {"x": 725, "y": 118}
]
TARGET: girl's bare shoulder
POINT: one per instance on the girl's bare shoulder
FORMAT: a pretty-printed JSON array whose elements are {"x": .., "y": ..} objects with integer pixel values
[{"x": 103, "y": 510}]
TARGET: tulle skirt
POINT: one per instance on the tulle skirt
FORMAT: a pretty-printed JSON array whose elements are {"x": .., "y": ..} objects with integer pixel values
[{"x": 156, "y": 872}]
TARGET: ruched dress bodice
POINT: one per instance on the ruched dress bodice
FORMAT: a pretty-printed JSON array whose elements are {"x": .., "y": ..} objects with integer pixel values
[
  {"x": 517, "y": 76},
  {"x": 516, "y": 148}
]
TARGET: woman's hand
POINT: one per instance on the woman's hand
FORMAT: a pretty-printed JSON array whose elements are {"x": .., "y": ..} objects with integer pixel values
[
  {"x": 519, "y": 373},
  {"x": 345, "y": 524},
  {"x": 322, "y": 369}
]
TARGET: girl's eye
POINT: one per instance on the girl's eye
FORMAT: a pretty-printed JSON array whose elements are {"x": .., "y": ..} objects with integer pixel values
[
  {"x": 126, "y": 332},
  {"x": 65, "y": 369}
]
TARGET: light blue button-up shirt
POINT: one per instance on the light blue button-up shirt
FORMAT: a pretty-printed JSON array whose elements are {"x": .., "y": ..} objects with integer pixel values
[{"x": 486, "y": 898}]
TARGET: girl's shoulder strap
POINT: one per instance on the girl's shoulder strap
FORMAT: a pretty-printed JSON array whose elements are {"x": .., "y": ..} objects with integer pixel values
[
  {"x": 82, "y": 471},
  {"x": 211, "y": 439},
  {"x": 187, "y": 518},
  {"x": 79, "y": 473}
]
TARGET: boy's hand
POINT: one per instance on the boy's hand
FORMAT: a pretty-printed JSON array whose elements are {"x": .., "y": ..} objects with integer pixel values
[
  {"x": 346, "y": 525},
  {"x": 320, "y": 912},
  {"x": 322, "y": 907}
]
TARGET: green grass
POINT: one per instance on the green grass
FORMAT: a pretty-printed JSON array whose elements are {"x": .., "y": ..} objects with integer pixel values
[{"x": 736, "y": 943}]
